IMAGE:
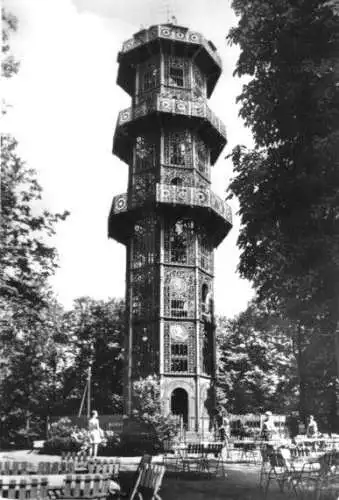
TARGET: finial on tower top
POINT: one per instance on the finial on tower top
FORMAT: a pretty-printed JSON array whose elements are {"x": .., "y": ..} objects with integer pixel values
[{"x": 170, "y": 18}]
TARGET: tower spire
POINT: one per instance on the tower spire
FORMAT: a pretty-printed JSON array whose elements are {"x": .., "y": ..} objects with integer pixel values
[{"x": 170, "y": 18}]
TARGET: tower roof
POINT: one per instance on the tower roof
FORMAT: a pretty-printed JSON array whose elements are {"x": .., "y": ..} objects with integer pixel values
[{"x": 172, "y": 39}]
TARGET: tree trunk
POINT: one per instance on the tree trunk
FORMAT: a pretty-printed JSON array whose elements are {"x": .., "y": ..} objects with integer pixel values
[
  {"x": 301, "y": 374},
  {"x": 336, "y": 341}
]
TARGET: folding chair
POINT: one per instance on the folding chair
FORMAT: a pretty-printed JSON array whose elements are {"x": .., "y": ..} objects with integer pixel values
[
  {"x": 282, "y": 471},
  {"x": 145, "y": 460},
  {"x": 194, "y": 458},
  {"x": 149, "y": 482},
  {"x": 216, "y": 449},
  {"x": 266, "y": 451},
  {"x": 322, "y": 482}
]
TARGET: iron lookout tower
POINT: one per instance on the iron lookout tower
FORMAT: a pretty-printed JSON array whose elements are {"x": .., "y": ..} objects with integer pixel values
[{"x": 170, "y": 220}]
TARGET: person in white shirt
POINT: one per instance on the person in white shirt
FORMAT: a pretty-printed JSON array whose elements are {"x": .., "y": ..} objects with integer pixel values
[
  {"x": 95, "y": 433},
  {"x": 312, "y": 428},
  {"x": 268, "y": 429}
]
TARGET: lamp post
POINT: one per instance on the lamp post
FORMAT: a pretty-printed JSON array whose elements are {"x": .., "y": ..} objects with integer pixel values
[
  {"x": 87, "y": 387},
  {"x": 89, "y": 379}
]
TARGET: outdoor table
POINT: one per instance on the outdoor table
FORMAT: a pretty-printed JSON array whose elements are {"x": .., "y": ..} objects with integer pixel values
[
  {"x": 246, "y": 446},
  {"x": 55, "y": 481},
  {"x": 187, "y": 454}
]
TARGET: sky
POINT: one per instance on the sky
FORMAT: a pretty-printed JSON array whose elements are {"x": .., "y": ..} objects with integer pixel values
[{"x": 64, "y": 105}]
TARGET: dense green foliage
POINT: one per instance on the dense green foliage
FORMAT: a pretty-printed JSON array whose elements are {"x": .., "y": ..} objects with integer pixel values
[
  {"x": 62, "y": 437},
  {"x": 95, "y": 331},
  {"x": 29, "y": 327},
  {"x": 148, "y": 408},
  {"x": 288, "y": 185},
  {"x": 9, "y": 66},
  {"x": 257, "y": 368},
  {"x": 265, "y": 363}
]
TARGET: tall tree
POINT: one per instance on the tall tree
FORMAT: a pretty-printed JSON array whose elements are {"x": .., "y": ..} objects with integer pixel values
[
  {"x": 95, "y": 330},
  {"x": 27, "y": 260},
  {"x": 9, "y": 66},
  {"x": 257, "y": 366},
  {"x": 33, "y": 359},
  {"x": 288, "y": 185}
]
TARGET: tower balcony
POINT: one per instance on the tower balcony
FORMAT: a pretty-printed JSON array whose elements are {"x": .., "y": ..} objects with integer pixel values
[
  {"x": 159, "y": 110},
  {"x": 167, "y": 38},
  {"x": 200, "y": 203}
]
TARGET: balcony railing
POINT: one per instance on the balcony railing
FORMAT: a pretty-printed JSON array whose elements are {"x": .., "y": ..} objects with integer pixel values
[
  {"x": 198, "y": 197},
  {"x": 174, "y": 106},
  {"x": 176, "y": 195},
  {"x": 177, "y": 33}
]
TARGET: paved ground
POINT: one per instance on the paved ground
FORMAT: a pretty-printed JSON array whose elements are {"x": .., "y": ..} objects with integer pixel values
[{"x": 241, "y": 482}]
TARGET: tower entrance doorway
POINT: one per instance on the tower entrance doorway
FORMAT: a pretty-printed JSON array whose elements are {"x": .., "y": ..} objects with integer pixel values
[{"x": 179, "y": 404}]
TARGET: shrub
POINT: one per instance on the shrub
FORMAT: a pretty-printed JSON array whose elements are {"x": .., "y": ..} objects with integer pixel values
[
  {"x": 148, "y": 410},
  {"x": 64, "y": 436},
  {"x": 132, "y": 445},
  {"x": 57, "y": 445},
  {"x": 111, "y": 444},
  {"x": 62, "y": 428}
]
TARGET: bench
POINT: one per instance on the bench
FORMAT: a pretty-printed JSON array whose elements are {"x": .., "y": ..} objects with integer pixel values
[
  {"x": 85, "y": 487},
  {"x": 110, "y": 467},
  {"x": 25, "y": 488},
  {"x": 13, "y": 468}
]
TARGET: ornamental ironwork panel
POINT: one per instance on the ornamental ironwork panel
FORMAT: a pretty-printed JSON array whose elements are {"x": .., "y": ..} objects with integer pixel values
[
  {"x": 159, "y": 103},
  {"x": 145, "y": 243},
  {"x": 201, "y": 157},
  {"x": 178, "y": 148},
  {"x": 179, "y": 293},
  {"x": 193, "y": 196},
  {"x": 144, "y": 283},
  {"x": 206, "y": 348},
  {"x": 174, "y": 33},
  {"x": 199, "y": 82},
  {"x": 120, "y": 203},
  {"x": 145, "y": 152},
  {"x": 176, "y": 93},
  {"x": 145, "y": 349},
  {"x": 149, "y": 75},
  {"x": 201, "y": 181},
  {"x": 179, "y": 347},
  {"x": 177, "y": 176},
  {"x": 177, "y": 72},
  {"x": 205, "y": 305},
  {"x": 143, "y": 188},
  {"x": 179, "y": 242},
  {"x": 205, "y": 251}
]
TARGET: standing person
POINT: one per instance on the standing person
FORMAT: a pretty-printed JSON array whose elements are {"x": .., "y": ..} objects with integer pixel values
[
  {"x": 95, "y": 434},
  {"x": 268, "y": 428},
  {"x": 225, "y": 426},
  {"x": 312, "y": 428},
  {"x": 292, "y": 424},
  {"x": 226, "y": 422}
]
